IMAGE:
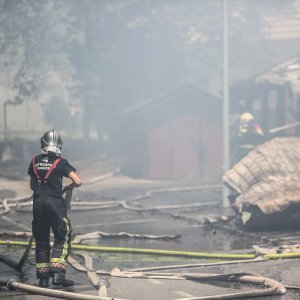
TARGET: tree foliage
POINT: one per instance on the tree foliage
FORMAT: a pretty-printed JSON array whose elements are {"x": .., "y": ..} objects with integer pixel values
[{"x": 107, "y": 55}]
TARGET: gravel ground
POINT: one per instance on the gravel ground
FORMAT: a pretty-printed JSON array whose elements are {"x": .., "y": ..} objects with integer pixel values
[{"x": 187, "y": 222}]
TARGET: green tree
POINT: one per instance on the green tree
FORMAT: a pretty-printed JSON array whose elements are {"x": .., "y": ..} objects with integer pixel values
[{"x": 34, "y": 36}]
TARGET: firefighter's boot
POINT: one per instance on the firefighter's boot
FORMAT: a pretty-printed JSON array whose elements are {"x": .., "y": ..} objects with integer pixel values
[
  {"x": 44, "y": 282},
  {"x": 59, "y": 278}
]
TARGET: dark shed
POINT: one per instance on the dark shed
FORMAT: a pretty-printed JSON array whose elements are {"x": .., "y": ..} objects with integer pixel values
[
  {"x": 175, "y": 136},
  {"x": 273, "y": 96}
]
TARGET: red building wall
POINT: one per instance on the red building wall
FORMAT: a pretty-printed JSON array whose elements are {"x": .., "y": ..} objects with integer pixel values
[
  {"x": 183, "y": 149},
  {"x": 213, "y": 140}
]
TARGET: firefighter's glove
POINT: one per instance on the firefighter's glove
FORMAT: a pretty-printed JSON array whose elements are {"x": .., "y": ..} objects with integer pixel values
[
  {"x": 68, "y": 187},
  {"x": 67, "y": 195}
]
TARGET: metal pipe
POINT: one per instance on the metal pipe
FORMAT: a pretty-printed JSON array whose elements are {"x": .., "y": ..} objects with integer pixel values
[
  {"x": 280, "y": 128},
  {"x": 226, "y": 149}
]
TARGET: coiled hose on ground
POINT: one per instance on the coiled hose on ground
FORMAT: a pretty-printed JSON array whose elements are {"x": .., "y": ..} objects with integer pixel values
[
  {"x": 13, "y": 284},
  {"x": 273, "y": 287}
]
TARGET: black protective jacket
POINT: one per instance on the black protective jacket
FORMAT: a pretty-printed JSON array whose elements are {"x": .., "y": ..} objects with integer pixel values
[{"x": 52, "y": 186}]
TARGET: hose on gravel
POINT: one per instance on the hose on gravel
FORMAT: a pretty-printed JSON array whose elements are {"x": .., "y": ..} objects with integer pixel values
[{"x": 146, "y": 251}]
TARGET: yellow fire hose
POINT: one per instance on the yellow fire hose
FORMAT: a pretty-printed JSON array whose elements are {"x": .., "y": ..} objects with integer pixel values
[
  {"x": 166, "y": 252},
  {"x": 145, "y": 251}
]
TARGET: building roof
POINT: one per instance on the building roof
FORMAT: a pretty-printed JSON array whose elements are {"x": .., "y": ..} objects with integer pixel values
[
  {"x": 286, "y": 73},
  {"x": 187, "y": 100},
  {"x": 187, "y": 95}
]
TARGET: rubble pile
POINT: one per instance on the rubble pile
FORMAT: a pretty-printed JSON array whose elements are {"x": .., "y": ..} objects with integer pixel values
[{"x": 265, "y": 185}]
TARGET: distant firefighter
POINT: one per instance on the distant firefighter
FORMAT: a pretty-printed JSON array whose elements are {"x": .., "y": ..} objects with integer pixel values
[
  {"x": 46, "y": 172},
  {"x": 249, "y": 136}
]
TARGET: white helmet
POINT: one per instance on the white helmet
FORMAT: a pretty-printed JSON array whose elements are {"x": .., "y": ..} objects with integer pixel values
[{"x": 246, "y": 117}]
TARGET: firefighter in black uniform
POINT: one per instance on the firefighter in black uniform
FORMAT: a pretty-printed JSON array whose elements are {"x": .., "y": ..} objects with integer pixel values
[
  {"x": 250, "y": 135},
  {"x": 50, "y": 210}
]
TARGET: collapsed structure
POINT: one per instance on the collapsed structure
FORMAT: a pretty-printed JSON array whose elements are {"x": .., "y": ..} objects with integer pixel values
[{"x": 265, "y": 186}]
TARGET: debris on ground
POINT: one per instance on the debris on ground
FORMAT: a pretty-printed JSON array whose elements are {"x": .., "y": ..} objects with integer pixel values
[
  {"x": 265, "y": 185},
  {"x": 281, "y": 249},
  {"x": 134, "y": 215}
]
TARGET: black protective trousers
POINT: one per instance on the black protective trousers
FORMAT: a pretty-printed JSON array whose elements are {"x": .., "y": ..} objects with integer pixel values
[{"x": 51, "y": 213}]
